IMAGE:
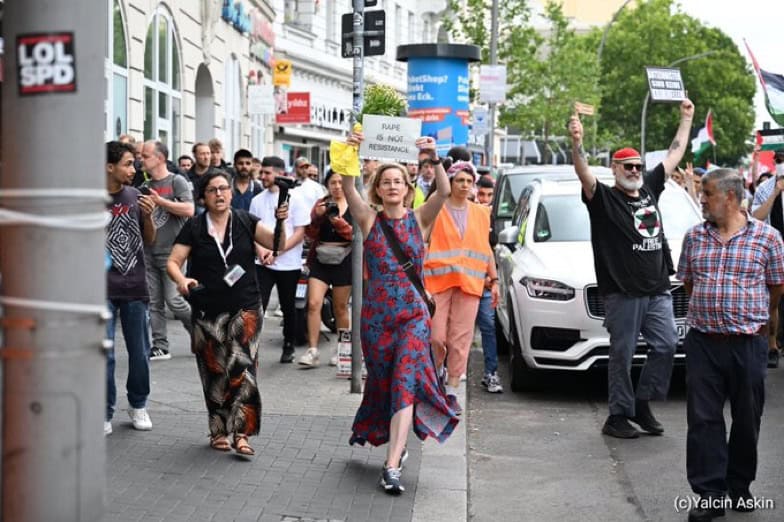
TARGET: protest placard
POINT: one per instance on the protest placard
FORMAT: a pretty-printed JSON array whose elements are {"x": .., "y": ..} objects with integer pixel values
[
  {"x": 665, "y": 84},
  {"x": 388, "y": 138}
]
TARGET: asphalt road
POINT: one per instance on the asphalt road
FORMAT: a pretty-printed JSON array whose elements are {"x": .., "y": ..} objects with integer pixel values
[{"x": 541, "y": 456}]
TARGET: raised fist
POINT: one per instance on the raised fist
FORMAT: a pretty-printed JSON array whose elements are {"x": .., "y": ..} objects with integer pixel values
[
  {"x": 687, "y": 109},
  {"x": 576, "y": 129}
]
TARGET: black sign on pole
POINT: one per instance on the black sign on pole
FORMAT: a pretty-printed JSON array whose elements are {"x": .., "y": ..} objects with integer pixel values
[
  {"x": 374, "y": 41},
  {"x": 371, "y": 3}
]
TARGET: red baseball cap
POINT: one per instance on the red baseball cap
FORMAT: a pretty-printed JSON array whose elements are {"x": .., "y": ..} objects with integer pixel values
[{"x": 625, "y": 155}]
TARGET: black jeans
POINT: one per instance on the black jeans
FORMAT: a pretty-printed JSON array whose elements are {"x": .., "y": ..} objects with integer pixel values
[
  {"x": 286, "y": 281},
  {"x": 718, "y": 368}
]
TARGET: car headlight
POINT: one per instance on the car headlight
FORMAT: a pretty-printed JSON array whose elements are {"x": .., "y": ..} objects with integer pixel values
[{"x": 547, "y": 289}]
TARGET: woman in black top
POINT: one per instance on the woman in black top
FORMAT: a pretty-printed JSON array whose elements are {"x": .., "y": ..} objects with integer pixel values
[
  {"x": 221, "y": 287},
  {"x": 329, "y": 261}
]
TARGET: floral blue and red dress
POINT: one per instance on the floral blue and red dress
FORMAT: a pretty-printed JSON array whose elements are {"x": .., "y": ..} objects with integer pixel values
[{"x": 395, "y": 334}]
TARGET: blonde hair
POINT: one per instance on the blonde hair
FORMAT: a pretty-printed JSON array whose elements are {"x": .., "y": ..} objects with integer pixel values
[{"x": 375, "y": 181}]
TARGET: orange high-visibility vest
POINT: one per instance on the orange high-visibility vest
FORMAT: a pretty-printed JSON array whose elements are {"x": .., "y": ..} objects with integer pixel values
[{"x": 454, "y": 261}]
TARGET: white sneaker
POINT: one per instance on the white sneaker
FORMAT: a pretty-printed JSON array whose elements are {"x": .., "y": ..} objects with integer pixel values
[
  {"x": 310, "y": 358},
  {"x": 107, "y": 428},
  {"x": 140, "y": 419}
]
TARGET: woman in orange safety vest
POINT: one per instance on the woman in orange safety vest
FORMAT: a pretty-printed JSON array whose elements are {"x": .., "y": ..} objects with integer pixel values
[{"x": 458, "y": 263}]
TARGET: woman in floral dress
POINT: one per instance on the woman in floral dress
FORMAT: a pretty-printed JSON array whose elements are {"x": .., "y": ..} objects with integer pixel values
[{"x": 401, "y": 388}]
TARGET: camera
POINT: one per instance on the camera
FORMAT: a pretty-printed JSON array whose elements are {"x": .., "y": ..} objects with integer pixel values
[{"x": 332, "y": 209}]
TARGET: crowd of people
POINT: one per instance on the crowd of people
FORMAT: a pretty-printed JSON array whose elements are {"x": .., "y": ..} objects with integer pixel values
[{"x": 209, "y": 241}]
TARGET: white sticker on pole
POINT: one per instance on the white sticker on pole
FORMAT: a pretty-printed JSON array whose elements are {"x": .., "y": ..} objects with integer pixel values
[
  {"x": 480, "y": 126},
  {"x": 261, "y": 99},
  {"x": 492, "y": 83},
  {"x": 390, "y": 139},
  {"x": 665, "y": 84}
]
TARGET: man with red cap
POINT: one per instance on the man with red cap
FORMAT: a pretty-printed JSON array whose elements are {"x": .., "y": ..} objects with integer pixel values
[{"x": 633, "y": 267}]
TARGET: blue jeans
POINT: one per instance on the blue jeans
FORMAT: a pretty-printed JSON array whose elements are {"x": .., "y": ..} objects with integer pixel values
[
  {"x": 626, "y": 318},
  {"x": 133, "y": 320},
  {"x": 485, "y": 319}
]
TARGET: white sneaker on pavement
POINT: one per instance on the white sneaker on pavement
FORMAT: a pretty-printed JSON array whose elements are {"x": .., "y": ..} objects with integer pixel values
[
  {"x": 107, "y": 428},
  {"x": 140, "y": 419},
  {"x": 310, "y": 358}
]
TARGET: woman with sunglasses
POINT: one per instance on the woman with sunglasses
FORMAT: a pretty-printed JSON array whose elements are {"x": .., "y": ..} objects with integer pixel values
[
  {"x": 401, "y": 389},
  {"x": 221, "y": 287}
]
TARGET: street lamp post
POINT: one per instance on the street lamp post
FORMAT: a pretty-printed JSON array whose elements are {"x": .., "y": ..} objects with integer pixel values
[
  {"x": 648, "y": 96},
  {"x": 599, "y": 62}
]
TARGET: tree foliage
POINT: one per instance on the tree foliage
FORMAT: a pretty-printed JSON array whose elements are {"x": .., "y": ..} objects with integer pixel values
[
  {"x": 547, "y": 73},
  {"x": 650, "y": 34}
]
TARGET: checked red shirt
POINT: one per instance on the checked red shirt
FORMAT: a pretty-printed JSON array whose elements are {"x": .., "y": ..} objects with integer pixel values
[{"x": 730, "y": 280}]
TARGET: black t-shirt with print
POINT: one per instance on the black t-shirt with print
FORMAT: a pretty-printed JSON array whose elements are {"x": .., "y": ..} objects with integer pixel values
[
  {"x": 206, "y": 265},
  {"x": 631, "y": 255},
  {"x": 126, "y": 279}
]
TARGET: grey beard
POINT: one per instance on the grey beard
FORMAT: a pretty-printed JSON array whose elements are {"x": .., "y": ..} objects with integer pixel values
[{"x": 628, "y": 185}]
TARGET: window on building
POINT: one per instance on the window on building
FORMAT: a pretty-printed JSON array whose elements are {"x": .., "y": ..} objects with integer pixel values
[
  {"x": 398, "y": 26},
  {"x": 232, "y": 89},
  {"x": 411, "y": 28},
  {"x": 257, "y": 129},
  {"x": 426, "y": 31},
  {"x": 162, "y": 96},
  {"x": 116, "y": 74},
  {"x": 299, "y": 13},
  {"x": 331, "y": 22}
]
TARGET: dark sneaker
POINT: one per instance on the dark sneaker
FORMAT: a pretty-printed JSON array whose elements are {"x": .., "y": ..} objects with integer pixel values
[
  {"x": 451, "y": 401},
  {"x": 492, "y": 382},
  {"x": 644, "y": 418},
  {"x": 773, "y": 358},
  {"x": 617, "y": 426},
  {"x": 288, "y": 352},
  {"x": 390, "y": 480},
  {"x": 742, "y": 500},
  {"x": 159, "y": 354}
]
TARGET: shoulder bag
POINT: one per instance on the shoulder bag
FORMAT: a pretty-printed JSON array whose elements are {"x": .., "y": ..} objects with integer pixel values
[{"x": 408, "y": 266}]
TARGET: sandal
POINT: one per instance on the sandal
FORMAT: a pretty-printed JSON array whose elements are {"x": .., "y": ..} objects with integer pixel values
[
  {"x": 220, "y": 443},
  {"x": 242, "y": 447}
]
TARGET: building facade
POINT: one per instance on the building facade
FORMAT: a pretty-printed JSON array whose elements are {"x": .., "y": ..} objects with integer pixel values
[{"x": 179, "y": 71}]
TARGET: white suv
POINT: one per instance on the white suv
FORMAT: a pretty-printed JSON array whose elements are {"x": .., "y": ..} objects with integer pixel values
[{"x": 550, "y": 313}]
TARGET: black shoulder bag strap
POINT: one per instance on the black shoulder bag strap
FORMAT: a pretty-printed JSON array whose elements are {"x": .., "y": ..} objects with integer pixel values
[{"x": 405, "y": 261}]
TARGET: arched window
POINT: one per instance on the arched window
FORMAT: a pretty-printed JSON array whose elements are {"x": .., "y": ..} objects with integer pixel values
[
  {"x": 232, "y": 107},
  {"x": 116, "y": 74},
  {"x": 162, "y": 97}
]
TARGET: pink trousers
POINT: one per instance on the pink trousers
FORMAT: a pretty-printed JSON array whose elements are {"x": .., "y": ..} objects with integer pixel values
[{"x": 452, "y": 329}]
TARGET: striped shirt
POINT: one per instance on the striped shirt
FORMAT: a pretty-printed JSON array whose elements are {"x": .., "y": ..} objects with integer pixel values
[{"x": 730, "y": 279}]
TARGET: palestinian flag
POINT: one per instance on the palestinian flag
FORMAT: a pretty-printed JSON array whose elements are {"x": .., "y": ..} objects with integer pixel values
[
  {"x": 704, "y": 139},
  {"x": 773, "y": 87},
  {"x": 770, "y": 139}
]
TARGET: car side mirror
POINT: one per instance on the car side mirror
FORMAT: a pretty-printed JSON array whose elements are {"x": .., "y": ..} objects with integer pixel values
[{"x": 508, "y": 237}]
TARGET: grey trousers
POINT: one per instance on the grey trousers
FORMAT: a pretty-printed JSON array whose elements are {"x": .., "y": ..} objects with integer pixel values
[
  {"x": 163, "y": 293},
  {"x": 626, "y": 318}
]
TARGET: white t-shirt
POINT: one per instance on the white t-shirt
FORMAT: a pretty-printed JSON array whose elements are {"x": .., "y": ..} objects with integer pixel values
[
  {"x": 263, "y": 206},
  {"x": 311, "y": 192}
]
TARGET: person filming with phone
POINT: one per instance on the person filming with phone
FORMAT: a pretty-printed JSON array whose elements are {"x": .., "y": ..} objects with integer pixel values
[
  {"x": 221, "y": 287},
  {"x": 329, "y": 260}
]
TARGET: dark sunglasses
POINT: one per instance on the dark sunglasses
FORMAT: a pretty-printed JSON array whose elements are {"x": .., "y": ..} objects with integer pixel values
[{"x": 631, "y": 166}]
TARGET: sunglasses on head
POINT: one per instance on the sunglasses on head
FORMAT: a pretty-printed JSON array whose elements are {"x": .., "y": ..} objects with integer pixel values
[{"x": 631, "y": 166}]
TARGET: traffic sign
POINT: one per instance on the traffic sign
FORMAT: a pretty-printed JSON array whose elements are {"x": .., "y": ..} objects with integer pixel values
[
  {"x": 371, "y": 3},
  {"x": 374, "y": 40}
]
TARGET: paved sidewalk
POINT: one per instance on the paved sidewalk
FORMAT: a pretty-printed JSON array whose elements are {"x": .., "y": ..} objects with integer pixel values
[{"x": 304, "y": 469}]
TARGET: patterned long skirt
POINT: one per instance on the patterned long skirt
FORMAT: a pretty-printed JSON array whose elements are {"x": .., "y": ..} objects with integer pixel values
[{"x": 226, "y": 349}]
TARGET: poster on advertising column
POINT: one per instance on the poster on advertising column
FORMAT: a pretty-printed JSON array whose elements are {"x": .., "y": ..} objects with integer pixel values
[{"x": 438, "y": 94}]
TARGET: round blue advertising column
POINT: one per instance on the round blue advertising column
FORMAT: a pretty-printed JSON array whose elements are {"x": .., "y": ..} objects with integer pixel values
[{"x": 438, "y": 89}]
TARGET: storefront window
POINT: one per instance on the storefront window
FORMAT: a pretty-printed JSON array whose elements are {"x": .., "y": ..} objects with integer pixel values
[
  {"x": 162, "y": 96},
  {"x": 116, "y": 74}
]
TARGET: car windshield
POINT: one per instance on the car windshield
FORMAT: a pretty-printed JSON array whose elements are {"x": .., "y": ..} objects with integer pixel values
[
  {"x": 517, "y": 182},
  {"x": 565, "y": 218}
]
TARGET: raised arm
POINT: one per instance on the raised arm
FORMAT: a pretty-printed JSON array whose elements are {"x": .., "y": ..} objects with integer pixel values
[
  {"x": 361, "y": 212},
  {"x": 587, "y": 179},
  {"x": 427, "y": 212},
  {"x": 681, "y": 139}
]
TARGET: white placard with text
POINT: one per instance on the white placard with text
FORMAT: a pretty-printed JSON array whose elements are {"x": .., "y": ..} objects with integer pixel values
[{"x": 388, "y": 138}]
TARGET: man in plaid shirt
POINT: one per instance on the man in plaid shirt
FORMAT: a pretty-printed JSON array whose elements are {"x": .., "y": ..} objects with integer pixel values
[{"x": 732, "y": 265}]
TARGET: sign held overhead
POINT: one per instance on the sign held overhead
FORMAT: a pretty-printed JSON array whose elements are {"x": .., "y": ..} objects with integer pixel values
[
  {"x": 665, "y": 84},
  {"x": 390, "y": 139}
]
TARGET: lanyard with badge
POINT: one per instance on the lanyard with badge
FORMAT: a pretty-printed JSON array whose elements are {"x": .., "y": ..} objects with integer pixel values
[{"x": 235, "y": 272}]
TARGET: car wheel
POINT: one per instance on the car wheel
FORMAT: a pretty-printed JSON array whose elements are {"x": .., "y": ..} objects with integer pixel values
[
  {"x": 524, "y": 379},
  {"x": 502, "y": 344}
]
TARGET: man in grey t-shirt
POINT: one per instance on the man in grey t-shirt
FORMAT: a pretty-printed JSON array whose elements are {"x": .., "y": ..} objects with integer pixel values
[{"x": 174, "y": 205}]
